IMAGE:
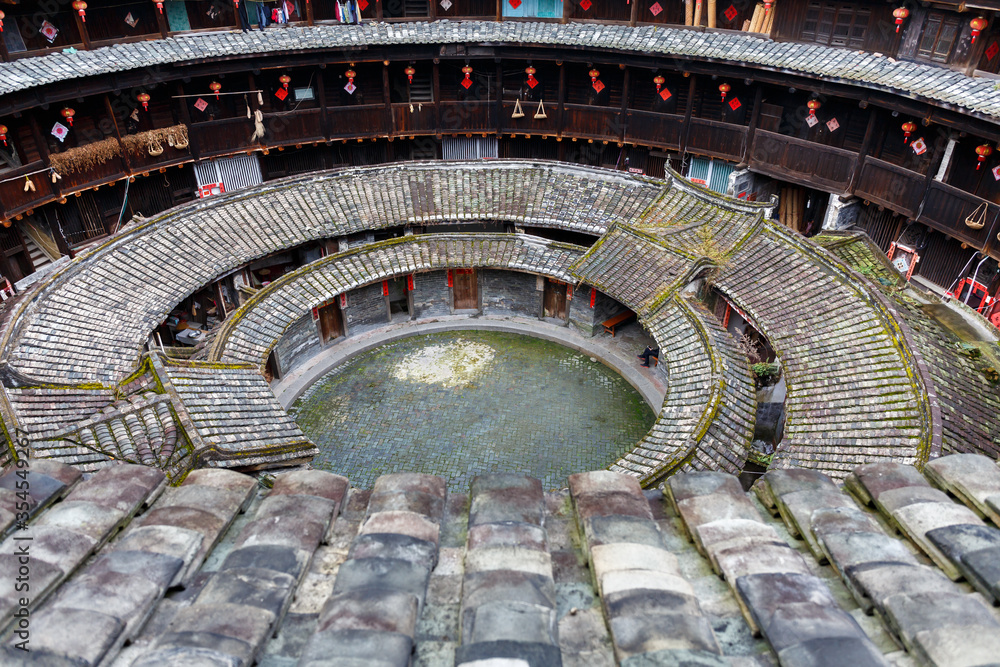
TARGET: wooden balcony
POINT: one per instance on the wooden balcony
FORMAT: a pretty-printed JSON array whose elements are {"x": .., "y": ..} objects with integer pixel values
[
  {"x": 219, "y": 137},
  {"x": 714, "y": 138},
  {"x": 13, "y": 198},
  {"x": 891, "y": 186},
  {"x": 468, "y": 117},
  {"x": 946, "y": 208},
  {"x": 592, "y": 122},
  {"x": 295, "y": 127},
  {"x": 529, "y": 124},
  {"x": 422, "y": 120},
  {"x": 362, "y": 121},
  {"x": 805, "y": 162},
  {"x": 655, "y": 129}
]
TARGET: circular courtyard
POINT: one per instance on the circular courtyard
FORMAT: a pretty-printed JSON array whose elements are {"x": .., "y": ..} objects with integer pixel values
[{"x": 461, "y": 404}]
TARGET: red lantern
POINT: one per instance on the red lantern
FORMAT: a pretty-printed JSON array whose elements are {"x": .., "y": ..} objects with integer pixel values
[
  {"x": 350, "y": 74},
  {"x": 144, "y": 98},
  {"x": 767, "y": 7},
  {"x": 908, "y": 129},
  {"x": 467, "y": 71},
  {"x": 983, "y": 152},
  {"x": 977, "y": 24},
  {"x": 81, "y": 7},
  {"x": 3, "y": 134},
  {"x": 410, "y": 71},
  {"x": 68, "y": 114},
  {"x": 594, "y": 73},
  {"x": 237, "y": 3},
  {"x": 813, "y": 105},
  {"x": 159, "y": 5},
  {"x": 215, "y": 87},
  {"x": 285, "y": 80},
  {"x": 724, "y": 88},
  {"x": 1, "y": 20},
  {"x": 900, "y": 15},
  {"x": 659, "y": 81},
  {"x": 530, "y": 71}
]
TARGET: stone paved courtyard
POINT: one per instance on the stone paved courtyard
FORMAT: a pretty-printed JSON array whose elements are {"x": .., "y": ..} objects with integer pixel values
[{"x": 465, "y": 403}]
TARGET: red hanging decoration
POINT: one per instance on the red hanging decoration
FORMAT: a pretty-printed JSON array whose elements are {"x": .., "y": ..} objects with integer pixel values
[
  {"x": 68, "y": 114},
  {"x": 900, "y": 14},
  {"x": 530, "y": 71},
  {"x": 410, "y": 71},
  {"x": 983, "y": 152},
  {"x": 81, "y": 7},
  {"x": 977, "y": 24},
  {"x": 350, "y": 74},
  {"x": 813, "y": 105},
  {"x": 594, "y": 73},
  {"x": 159, "y": 5},
  {"x": 144, "y": 98},
  {"x": 593, "y": 296},
  {"x": 908, "y": 129},
  {"x": 237, "y": 3},
  {"x": 3, "y": 134},
  {"x": 724, "y": 88},
  {"x": 467, "y": 81},
  {"x": 285, "y": 80},
  {"x": 767, "y": 7},
  {"x": 2, "y": 15},
  {"x": 659, "y": 81},
  {"x": 215, "y": 87}
]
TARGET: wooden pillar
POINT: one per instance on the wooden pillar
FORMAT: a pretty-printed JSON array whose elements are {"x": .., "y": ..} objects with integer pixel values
[
  {"x": 865, "y": 146},
  {"x": 499, "y": 100},
  {"x": 82, "y": 27},
  {"x": 4, "y": 56},
  {"x": 186, "y": 117},
  {"x": 387, "y": 100},
  {"x": 161, "y": 23},
  {"x": 561, "y": 108},
  {"x": 436, "y": 87},
  {"x": 126, "y": 162},
  {"x": 309, "y": 12},
  {"x": 432, "y": 14},
  {"x": 378, "y": 11},
  {"x": 6, "y": 269},
  {"x": 626, "y": 90},
  {"x": 692, "y": 80},
  {"x": 499, "y": 9},
  {"x": 937, "y": 156},
  {"x": 634, "y": 17},
  {"x": 754, "y": 120},
  {"x": 324, "y": 120},
  {"x": 43, "y": 149}
]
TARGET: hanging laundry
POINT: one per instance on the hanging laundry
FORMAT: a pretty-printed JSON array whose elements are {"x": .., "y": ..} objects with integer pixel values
[
  {"x": 289, "y": 9},
  {"x": 263, "y": 17}
]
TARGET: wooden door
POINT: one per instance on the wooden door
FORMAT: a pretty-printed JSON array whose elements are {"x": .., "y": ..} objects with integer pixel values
[
  {"x": 466, "y": 289},
  {"x": 331, "y": 325},
  {"x": 555, "y": 299}
]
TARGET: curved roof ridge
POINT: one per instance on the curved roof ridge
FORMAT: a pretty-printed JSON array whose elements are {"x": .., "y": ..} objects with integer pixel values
[{"x": 934, "y": 83}]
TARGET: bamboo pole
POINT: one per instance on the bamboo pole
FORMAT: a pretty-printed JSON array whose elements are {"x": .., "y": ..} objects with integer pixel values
[
  {"x": 711, "y": 13},
  {"x": 757, "y": 19},
  {"x": 697, "y": 12},
  {"x": 688, "y": 11}
]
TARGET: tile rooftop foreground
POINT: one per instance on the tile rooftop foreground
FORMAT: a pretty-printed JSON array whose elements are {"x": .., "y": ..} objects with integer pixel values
[{"x": 221, "y": 570}]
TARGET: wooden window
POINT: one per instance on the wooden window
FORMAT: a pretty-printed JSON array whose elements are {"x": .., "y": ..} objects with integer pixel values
[
  {"x": 937, "y": 39},
  {"x": 836, "y": 24}
]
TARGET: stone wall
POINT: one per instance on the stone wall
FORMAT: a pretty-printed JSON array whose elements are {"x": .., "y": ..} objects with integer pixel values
[
  {"x": 588, "y": 320},
  {"x": 301, "y": 341},
  {"x": 365, "y": 309},
  {"x": 430, "y": 294},
  {"x": 508, "y": 293}
]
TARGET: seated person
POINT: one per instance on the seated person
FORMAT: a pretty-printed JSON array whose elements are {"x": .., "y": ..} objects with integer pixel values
[{"x": 647, "y": 353}]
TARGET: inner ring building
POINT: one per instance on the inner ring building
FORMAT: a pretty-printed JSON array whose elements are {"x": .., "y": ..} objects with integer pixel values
[{"x": 793, "y": 205}]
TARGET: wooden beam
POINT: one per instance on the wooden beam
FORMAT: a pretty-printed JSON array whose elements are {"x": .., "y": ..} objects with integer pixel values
[
  {"x": 118, "y": 135},
  {"x": 626, "y": 91},
  {"x": 82, "y": 27},
  {"x": 387, "y": 100},
  {"x": 634, "y": 15},
  {"x": 865, "y": 146},
  {"x": 161, "y": 23},
  {"x": 498, "y": 105},
  {"x": 561, "y": 108},
  {"x": 758, "y": 99},
  {"x": 309, "y": 12},
  {"x": 186, "y": 117},
  {"x": 436, "y": 87},
  {"x": 324, "y": 119},
  {"x": 692, "y": 81}
]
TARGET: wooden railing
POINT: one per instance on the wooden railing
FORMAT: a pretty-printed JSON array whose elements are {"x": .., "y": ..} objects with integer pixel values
[
  {"x": 946, "y": 209},
  {"x": 716, "y": 139},
  {"x": 890, "y": 185},
  {"x": 13, "y": 198},
  {"x": 421, "y": 120},
  {"x": 295, "y": 127},
  {"x": 218, "y": 137},
  {"x": 802, "y": 161},
  {"x": 592, "y": 122},
  {"x": 656, "y": 129},
  {"x": 529, "y": 124},
  {"x": 468, "y": 116}
]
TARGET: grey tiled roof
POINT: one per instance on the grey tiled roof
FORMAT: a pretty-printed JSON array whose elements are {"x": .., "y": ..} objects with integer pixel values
[
  {"x": 93, "y": 317},
  {"x": 936, "y": 84},
  {"x": 221, "y": 570},
  {"x": 255, "y": 328},
  {"x": 852, "y": 397}
]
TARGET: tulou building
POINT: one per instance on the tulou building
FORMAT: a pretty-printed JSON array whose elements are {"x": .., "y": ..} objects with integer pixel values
[{"x": 319, "y": 324}]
